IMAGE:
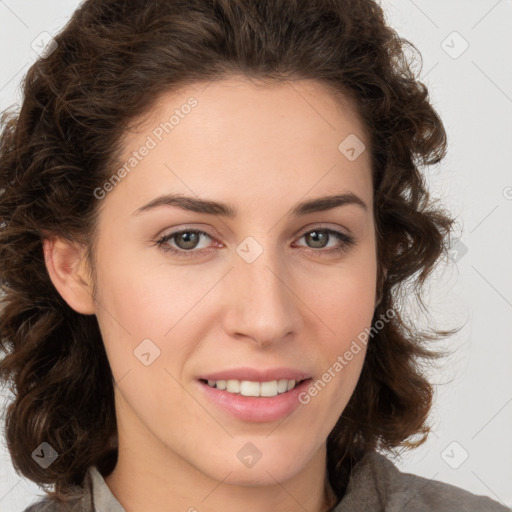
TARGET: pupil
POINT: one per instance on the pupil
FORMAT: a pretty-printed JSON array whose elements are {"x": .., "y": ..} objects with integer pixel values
[
  {"x": 190, "y": 240},
  {"x": 318, "y": 236}
]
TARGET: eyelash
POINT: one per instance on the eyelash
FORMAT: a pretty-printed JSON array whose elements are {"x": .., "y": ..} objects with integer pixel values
[{"x": 346, "y": 241}]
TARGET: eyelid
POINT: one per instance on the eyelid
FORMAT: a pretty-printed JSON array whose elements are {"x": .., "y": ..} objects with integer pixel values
[
  {"x": 186, "y": 229},
  {"x": 323, "y": 226}
]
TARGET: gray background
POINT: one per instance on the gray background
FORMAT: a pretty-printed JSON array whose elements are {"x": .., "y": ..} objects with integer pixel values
[{"x": 471, "y": 443}]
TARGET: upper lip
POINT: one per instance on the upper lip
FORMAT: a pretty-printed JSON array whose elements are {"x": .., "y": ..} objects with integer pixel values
[{"x": 257, "y": 375}]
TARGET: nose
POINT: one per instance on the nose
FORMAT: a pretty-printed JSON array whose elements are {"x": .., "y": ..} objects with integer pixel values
[{"x": 262, "y": 304}]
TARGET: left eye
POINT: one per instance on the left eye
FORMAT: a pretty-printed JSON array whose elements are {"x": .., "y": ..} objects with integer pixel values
[
  {"x": 184, "y": 242},
  {"x": 321, "y": 236}
]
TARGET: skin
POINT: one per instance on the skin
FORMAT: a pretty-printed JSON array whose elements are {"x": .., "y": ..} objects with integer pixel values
[{"x": 263, "y": 149}]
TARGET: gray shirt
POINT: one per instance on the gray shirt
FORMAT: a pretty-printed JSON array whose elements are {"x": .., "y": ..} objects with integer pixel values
[{"x": 375, "y": 485}]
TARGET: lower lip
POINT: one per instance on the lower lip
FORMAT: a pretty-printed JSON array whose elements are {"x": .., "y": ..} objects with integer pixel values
[{"x": 253, "y": 408}]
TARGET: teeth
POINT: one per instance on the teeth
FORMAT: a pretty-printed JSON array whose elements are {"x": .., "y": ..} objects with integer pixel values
[
  {"x": 251, "y": 388},
  {"x": 233, "y": 386}
]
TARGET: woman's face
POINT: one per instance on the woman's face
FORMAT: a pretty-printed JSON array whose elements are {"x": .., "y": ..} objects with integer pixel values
[{"x": 267, "y": 293}]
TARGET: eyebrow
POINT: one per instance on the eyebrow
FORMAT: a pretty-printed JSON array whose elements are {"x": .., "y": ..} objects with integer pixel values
[{"x": 209, "y": 207}]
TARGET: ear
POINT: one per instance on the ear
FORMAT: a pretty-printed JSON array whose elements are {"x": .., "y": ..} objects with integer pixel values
[{"x": 67, "y": 266}]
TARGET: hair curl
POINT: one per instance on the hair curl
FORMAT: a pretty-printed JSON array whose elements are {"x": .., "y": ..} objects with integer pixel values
[{"x": 112, "y": 61}]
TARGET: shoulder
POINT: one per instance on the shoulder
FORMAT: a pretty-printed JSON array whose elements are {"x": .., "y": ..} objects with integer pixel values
[
  {"x": 48, "y": 505},
  {"x": 44, "y": 505},
  {"x": 78, "y": 499},
  {"x": 377, "y": 484}
]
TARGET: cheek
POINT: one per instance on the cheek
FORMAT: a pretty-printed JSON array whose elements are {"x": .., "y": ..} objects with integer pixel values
[
  {"x": 345, "y": 298},
  {"x": 345, "y": 304},
  {"x": 138, "y": 301},
  {"x": 138, "y": 295},
  {"x": 350, "y": 305},
  {"x": 345, "y": 307},
  {"x": 348, "y": 316}
]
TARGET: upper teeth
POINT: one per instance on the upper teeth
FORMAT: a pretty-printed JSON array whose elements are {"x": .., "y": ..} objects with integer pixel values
[{"x": 251, "y": 388}]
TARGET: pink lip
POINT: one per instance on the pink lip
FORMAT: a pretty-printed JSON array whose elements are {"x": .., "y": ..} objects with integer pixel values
[
  {"x": 256, "y": 375},
  {"x": 255, "y": 409}
]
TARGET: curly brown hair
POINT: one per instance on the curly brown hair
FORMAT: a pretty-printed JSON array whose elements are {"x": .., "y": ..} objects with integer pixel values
[{"x": 112, "y": 61}]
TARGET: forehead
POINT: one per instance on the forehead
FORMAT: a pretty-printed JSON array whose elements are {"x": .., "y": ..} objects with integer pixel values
[
  {"x": 239, "y": 138},
  {"x": 259, "y": 109}
]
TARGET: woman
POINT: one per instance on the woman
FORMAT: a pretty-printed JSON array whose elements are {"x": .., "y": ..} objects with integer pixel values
[{"x": 180, "y": 334}]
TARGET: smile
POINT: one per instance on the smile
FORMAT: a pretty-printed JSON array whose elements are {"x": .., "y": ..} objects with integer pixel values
[{"x": 253, "y": 388}]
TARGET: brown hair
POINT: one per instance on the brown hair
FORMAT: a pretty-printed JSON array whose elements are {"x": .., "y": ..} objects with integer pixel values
[{"x": 112, "y": 61}]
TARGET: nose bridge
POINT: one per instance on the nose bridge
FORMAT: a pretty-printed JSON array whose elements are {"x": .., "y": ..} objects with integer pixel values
[{"x": 263, "y": 306}]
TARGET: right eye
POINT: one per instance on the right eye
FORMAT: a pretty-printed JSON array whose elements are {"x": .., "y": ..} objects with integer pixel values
[{"x": 184, "y": 242}]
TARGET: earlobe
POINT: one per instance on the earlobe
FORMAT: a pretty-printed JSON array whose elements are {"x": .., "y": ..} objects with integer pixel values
[{"x": 67, "y": 267}]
